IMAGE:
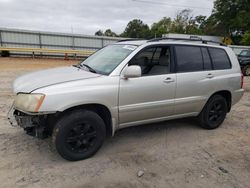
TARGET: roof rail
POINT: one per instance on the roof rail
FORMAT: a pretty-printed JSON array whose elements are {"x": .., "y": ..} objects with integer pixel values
[
  {"x": 186, "y": 39},
  {"x": 124, "y": 40}
]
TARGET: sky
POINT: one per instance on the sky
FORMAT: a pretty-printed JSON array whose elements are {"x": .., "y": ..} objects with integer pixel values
[{"x": 89, "y": 16}]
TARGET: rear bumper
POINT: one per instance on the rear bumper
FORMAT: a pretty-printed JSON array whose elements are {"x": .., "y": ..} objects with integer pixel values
[{"x": 237, "y": 96}]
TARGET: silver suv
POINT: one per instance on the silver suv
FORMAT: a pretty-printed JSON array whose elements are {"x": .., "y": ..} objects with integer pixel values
[{"x": 126, "y": 84}]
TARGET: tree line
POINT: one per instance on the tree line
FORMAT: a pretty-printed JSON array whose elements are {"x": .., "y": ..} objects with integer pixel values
[{"x": 228, "y": 19}]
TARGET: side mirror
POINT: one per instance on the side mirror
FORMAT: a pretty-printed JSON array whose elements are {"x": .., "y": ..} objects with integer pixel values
[{"x": 133, "y": 71}]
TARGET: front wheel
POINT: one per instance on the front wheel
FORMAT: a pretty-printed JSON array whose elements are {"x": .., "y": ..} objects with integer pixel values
[
  {"x": 79, "y": 135},
  {"x": 214, "y": 112}
]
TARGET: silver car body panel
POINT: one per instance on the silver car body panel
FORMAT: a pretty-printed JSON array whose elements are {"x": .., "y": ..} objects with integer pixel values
[
  {"x": 146, "y": 97},
  {"x": 39, "y": 79},
  {"x": 133, "y": 101}
]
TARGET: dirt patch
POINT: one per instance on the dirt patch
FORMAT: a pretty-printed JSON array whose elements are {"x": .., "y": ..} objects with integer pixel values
[{"x": 171, "y": 154}]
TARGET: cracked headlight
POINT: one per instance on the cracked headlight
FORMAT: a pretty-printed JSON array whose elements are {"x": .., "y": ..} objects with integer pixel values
[{"x": 28, "y": 102}]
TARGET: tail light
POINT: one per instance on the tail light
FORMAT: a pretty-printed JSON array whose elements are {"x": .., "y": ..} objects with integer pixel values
[{"x": 241, "y": 80}]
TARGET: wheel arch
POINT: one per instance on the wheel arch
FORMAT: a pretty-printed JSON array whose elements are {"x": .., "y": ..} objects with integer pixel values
[
  {"x": 227, "y": 95},
  {"x": 102, "y": 110}
]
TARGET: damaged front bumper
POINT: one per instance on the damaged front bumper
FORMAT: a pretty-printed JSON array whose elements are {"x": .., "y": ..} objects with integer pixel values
[
  {"x": 20, "y": 119},
  {"x": 34, "y": 124},
  {"x": 11, "y": 117}
]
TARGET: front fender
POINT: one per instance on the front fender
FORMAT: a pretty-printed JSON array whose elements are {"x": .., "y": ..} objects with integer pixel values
[{"x": 101, "y": 90}]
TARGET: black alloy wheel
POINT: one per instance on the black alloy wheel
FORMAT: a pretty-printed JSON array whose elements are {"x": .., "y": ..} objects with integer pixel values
[
  {"x": 79, "y": 134},
  {"x": 81, "y": 137},
  {"x": 214, "y": 112}
]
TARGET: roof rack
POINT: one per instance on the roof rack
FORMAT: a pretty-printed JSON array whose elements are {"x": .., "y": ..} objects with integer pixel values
[
  {"x": 125, "y": 40},
  {"x": 186, "y": 39}
]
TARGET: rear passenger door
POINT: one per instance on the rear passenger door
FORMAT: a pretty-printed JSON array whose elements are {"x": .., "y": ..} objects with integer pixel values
[{"x": 194, "y": 78}]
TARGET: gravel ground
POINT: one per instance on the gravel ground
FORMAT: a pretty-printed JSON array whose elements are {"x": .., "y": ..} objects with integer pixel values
[{"x": 171, "y": 154}]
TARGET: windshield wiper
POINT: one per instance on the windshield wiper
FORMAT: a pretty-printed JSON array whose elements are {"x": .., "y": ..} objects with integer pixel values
[
  {"x": 88, "y": 67},
  {"x": 77, "y": 66}
]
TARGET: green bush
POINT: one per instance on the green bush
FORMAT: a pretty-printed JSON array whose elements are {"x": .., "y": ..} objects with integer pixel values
[{"x": 246, "y": 39}]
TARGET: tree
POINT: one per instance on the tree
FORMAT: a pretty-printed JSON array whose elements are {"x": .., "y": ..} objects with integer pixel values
[
  {"x": 180, "y": 22},
  {"x": 200, "y": 21},
  {"x": 99, "y": 33},
  {"x": 136, "y": 29},
  {"x": 161, "y": 27},
  {"x": 110, "y": 33},
  {"x": 211, "y": 27},
  {"x": 230, "y": 17},
  {"x": 194, "y": 25},
  {"x": 198, "y": 25},
  {"x": 246, "y": 39},
  {"x": 185, "y": 23}
]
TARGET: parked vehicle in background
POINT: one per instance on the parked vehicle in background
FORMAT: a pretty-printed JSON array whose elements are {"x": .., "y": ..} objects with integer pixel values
[
  {"x": 126, "y": 84},
  {"x": 244, "y": 60}
]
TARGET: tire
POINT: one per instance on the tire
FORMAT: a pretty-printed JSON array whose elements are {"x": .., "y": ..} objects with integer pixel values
[
  {"x": 246, "y": 70},
  {"x": 79, "y": 135},
  {"x": 214, "y": 112}
]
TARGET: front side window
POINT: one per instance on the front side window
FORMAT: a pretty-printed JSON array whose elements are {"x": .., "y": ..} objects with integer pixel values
[
  {"x": 107, "y": 59},
  {"x": 189, "y": 59},
  {"x": 219, "y": 58},
  {"x": 153, "y": 61}
]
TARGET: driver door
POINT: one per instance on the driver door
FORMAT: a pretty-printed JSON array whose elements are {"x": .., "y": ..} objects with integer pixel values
[{"x": 150, "y": 97}]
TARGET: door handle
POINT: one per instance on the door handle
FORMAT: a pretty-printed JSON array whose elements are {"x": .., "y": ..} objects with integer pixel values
[
  {"x": 210, "y": 75},
  {"x": 169, "y": 80}
]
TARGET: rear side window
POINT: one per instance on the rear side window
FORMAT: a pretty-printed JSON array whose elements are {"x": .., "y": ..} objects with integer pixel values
[
  {"x": 219, "y": 58},
  {"x": 189, "y": 58}
]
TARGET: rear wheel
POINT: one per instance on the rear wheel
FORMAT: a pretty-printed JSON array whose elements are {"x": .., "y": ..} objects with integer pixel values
[
  {"x": 79, "y": 135},
  {"x": 214, "y": 112}
]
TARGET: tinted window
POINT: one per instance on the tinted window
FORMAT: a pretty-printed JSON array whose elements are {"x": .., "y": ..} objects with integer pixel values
[
  {"x": 206, "y": 59},
  {"x": 219, "y": 58},
  {"x": 153, "y": 61},
  {"x": 189, "y": 58}
]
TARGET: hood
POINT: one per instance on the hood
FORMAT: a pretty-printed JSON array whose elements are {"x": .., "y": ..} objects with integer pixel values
[{"x": 29, "y": 82}]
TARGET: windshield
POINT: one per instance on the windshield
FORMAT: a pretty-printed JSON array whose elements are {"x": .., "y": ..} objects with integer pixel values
[
  {"x": 245, "y": 53},
  {"x": 107, "y": 59}
]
